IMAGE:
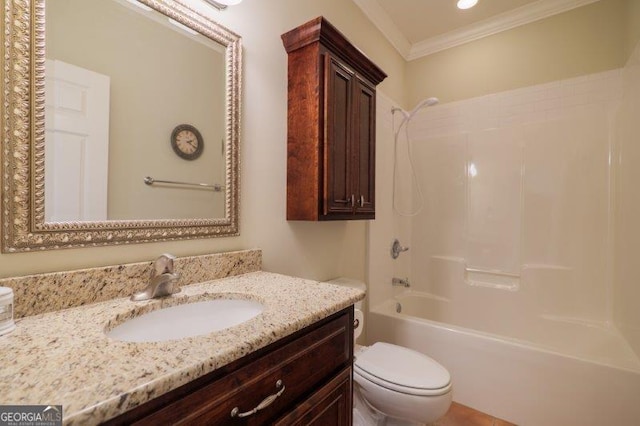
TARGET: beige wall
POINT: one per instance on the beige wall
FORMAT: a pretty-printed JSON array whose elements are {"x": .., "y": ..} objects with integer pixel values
[
  {"x": 582, "y": 41},
  {"x": 632, "y": 14},
  {"x": 313, "y": 250},
  {"x": 144, "y": 107}
]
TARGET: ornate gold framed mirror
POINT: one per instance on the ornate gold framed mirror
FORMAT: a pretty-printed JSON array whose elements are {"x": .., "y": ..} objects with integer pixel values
[{"x": 51, "y": 195}]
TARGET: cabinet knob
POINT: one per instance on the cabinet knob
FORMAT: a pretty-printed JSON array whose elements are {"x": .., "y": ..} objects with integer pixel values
[
  {"x": 353, "y": 200},
  {"x": 362, "y": 201}
]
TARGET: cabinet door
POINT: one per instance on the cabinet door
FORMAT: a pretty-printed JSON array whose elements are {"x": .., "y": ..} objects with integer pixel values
[
  {"x": 364, "y": 145},
  {"x": 331, "y": 405},
  {"x": 339, "y": 197}
]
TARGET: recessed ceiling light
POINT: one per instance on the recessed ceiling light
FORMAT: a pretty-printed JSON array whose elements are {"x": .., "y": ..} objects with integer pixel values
[{"x": 466, "y": 4}]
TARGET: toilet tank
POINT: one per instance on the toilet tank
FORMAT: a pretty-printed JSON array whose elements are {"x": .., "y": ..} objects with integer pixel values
[{"x": 350, "y": 282}]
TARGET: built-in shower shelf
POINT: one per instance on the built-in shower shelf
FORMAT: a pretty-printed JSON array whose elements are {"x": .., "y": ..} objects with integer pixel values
[{"x": 492, "y": 278}]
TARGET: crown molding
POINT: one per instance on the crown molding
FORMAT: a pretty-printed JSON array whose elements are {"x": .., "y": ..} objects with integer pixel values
[
  {"x": 502, "y": 22},
  {"x": 385, "y": 24}
]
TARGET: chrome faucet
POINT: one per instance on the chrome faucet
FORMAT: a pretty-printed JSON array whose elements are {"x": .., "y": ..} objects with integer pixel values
[{"x": 163, "y": 280}]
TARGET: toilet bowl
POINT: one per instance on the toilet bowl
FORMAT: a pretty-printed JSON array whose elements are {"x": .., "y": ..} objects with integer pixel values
[{"x": 394, "y": 385}]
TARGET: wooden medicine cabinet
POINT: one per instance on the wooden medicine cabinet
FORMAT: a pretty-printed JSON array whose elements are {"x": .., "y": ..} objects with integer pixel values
[{"x": 330, "y": 125}]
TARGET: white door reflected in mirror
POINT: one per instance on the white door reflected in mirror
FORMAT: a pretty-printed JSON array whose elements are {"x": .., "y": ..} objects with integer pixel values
[{"x": 77, "y": 148}]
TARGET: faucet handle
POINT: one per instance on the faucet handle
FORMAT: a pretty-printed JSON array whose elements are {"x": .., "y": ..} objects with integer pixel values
[
  {"x": 163, "y": 264},
  {"x": 397, "y": 248}
]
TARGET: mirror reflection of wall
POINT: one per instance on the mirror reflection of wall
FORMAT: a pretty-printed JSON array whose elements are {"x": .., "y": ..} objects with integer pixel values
[{"x": 158, "y": 76}]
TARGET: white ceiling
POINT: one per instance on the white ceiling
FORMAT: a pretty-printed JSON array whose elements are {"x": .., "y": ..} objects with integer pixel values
[{"x": 420, "y": 27}]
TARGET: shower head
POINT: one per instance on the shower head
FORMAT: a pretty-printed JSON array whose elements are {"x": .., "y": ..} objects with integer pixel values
[
  {"x": 422, "y": 104},
  {"x": 408, "y": 115},
  {"x": 428, "y": 102}
]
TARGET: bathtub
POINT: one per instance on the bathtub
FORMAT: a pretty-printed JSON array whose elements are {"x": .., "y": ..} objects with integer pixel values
[{"x": 534, "y": 371}]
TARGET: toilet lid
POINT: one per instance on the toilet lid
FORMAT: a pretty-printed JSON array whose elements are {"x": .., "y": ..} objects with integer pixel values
[{"x": 402, "y": 369}]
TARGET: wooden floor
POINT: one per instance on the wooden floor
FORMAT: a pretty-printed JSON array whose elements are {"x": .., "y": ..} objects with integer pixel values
[{"x": 460, "y": 415}]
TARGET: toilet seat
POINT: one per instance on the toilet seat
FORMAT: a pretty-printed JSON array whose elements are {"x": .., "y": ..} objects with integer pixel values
[{"x": 402, "y": 370}]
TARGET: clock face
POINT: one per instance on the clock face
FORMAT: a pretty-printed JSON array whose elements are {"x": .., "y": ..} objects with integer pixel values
[{"x": 187, "y": 142}]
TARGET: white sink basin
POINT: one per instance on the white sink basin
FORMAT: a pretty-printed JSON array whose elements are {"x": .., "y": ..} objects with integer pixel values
[{"x": 187, "y": 320}]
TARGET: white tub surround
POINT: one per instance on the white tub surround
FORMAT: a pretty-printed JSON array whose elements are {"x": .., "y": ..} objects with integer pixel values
[{"x": 523, "y": 261}]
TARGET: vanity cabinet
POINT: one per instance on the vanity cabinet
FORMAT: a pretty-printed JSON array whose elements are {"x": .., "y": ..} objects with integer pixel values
[
  {"x": 330, "y": 125},
  {"x": 303, "y": 379}
]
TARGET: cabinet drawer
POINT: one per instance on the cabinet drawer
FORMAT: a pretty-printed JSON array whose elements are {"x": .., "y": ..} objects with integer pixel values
[
  {"x": 298, "y": 367},
  {"x": 330, "y": 405}
]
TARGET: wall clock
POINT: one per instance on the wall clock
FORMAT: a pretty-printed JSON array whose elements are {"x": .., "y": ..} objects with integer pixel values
[{"x": 187, "y": 142}]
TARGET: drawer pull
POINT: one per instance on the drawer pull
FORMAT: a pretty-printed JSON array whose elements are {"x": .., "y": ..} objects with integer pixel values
[{"x": 264, "y": 404}]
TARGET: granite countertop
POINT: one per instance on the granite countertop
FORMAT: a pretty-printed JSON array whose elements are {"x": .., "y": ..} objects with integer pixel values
[{"x": 64, "y": 357}]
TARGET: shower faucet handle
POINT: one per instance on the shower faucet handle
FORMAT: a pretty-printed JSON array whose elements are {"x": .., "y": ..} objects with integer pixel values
[{"x": 397, "y": 248}]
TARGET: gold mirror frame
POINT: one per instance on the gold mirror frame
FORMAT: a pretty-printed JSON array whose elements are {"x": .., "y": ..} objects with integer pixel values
[{"x": 22, "y": 112}]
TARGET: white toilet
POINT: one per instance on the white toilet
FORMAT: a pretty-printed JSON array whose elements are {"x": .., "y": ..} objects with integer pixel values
[
  {"x": 399, "y": 386},
  {"x": 396, "y": 386}
]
